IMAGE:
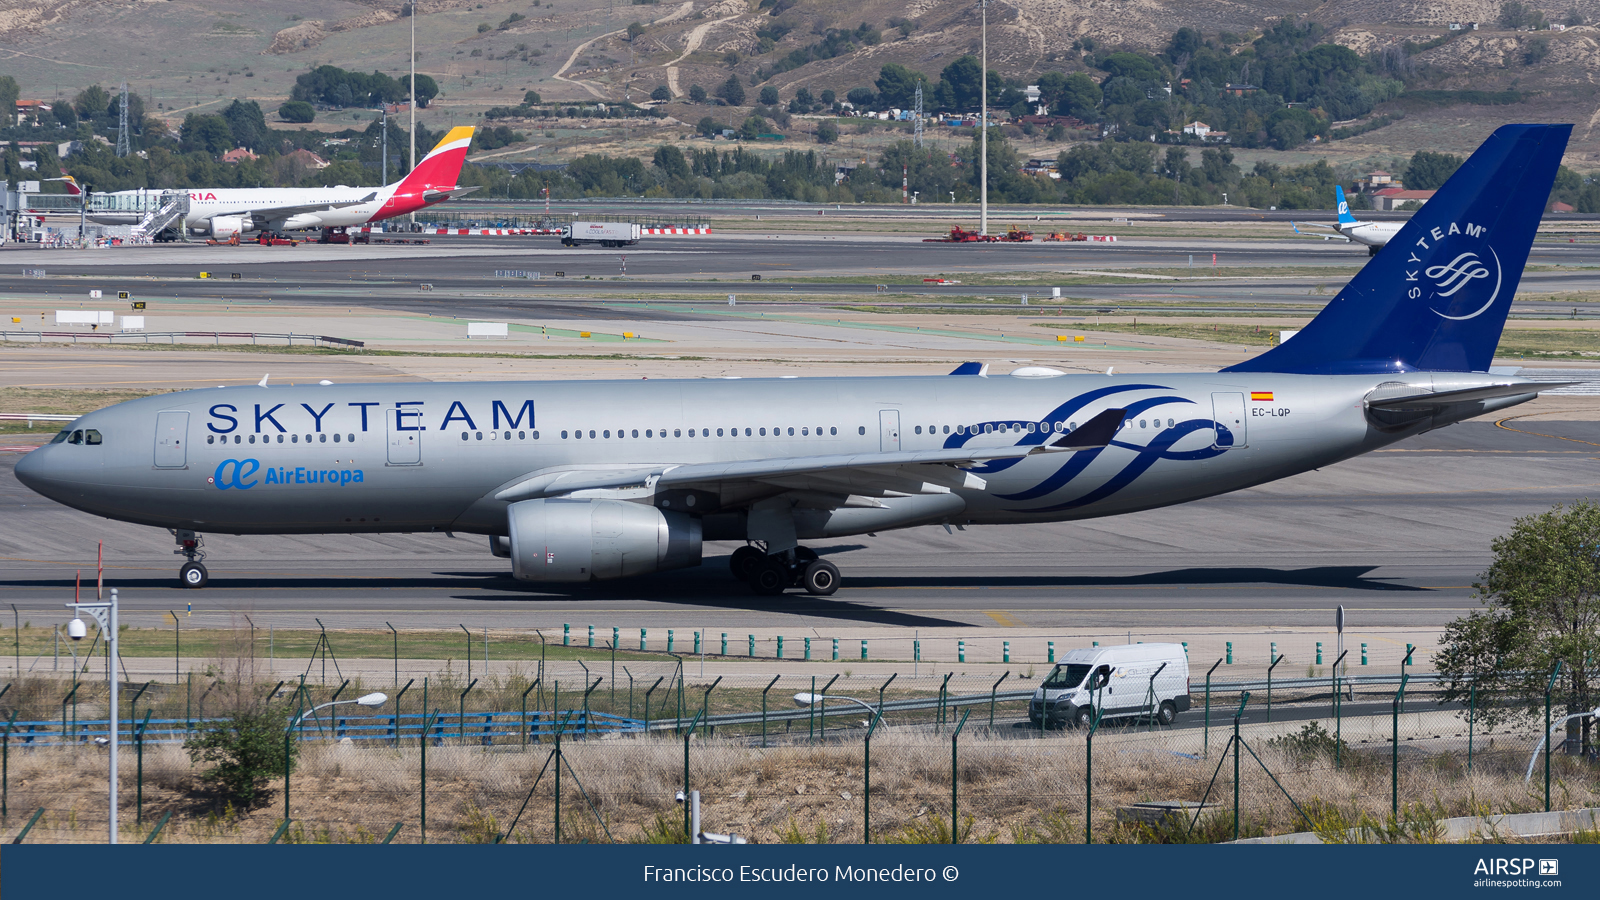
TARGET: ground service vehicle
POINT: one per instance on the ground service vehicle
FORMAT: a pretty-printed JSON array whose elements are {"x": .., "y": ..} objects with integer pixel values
[
  {"x": 606, "y": 234},
  {"x": 1120, "y": 681}
]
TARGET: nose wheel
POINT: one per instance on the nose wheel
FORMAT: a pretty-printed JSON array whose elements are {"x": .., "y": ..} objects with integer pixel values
[{"x": 193, "y": 574}]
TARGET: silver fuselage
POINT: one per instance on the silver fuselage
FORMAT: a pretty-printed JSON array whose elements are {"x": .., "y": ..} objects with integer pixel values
[{"x": 418, "y": 457}]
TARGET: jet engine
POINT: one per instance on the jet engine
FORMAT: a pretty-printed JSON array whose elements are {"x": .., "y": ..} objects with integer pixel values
[
  {"x": 224, "y": 227},
  {"x": 561, "y": 540}
]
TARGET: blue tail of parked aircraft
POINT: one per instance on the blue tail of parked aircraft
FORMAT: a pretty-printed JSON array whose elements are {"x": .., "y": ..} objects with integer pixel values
[
  {"x": 1436, "y": 298},
  {"x": 1344, "y": 208}
]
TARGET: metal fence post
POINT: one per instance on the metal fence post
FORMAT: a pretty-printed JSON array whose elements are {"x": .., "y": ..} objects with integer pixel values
[
  {"x": 422, "y": 780},
  {"x": 955, "y": 778},
  {"x": 866, "y": 776},
  {"x": 884, "y": 687},
  {"x": 1472, "y": 709},
  {"x": 1243, "y": 699},
  {"x": 659, "y": 679},
  {"x": 1269, "y": 686},
  {"x": 5, "y": 763},
  {"x": 524, "y": 720},
  {"x": 1207, "y": 739},
  {"x": 1338, "y": 715},
  {"x": 138, "y": 750},
  {"x": 764, "y": 708},
  {"x": 1549, "y": 688},
  {"x": 396, "y": 655},
  {"x": 461, "y": 708},
  {"x": 992, "y": 689},
  {"x": 1394, "y": 756},
  {"x": 686, "y": 811}
]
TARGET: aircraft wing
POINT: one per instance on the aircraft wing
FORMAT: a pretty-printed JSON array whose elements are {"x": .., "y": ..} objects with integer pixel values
[
  {"x": 895, "y": 473},
  {"x": 284, "y": 212},
  {"x": 1335, "y": 232}
]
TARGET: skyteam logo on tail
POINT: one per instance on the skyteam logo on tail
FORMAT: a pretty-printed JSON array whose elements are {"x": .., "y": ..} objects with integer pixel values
[{"x": 1466, "y": 284}]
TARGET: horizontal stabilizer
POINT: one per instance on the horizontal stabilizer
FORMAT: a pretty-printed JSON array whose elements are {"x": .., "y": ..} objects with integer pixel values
[
  {"x": 1097, "y": 432},
  {"x": 1466, "y": 395}
]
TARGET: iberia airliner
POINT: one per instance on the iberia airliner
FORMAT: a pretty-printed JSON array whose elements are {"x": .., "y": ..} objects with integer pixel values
[{"x": 225, "y": 212}]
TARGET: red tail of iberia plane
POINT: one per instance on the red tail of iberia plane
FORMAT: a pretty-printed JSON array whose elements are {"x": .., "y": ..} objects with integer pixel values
[
  {"x": 434, "y": 180},
  {"x": 72, "y": 183}
]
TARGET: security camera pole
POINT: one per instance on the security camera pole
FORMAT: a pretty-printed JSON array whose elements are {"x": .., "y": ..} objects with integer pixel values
[{"x": 105, "y": 615}]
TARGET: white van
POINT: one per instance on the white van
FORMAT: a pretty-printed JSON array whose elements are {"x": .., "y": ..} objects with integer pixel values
[{"x": 1122, "y": 684}]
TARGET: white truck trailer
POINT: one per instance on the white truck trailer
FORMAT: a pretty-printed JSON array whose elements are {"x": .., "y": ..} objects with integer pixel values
[{"x": 606, "y": 234}]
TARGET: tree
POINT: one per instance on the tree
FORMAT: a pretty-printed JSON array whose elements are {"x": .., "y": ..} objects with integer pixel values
[
  {"x": 670, "y": 161},
  {"x": 297, "y": 111},
  {"x": 92, "y": 102},
  {"x": 64, "y": 115},
  {"x": 246, "y": 124},
  {"x": 1541, "y": 598},
  {"x": 961, "y": 82},
  {"x": 769, "y": 96},
  {"x": 697, "y": 94},
  {"x": 861, "y": 97},
  {"x": 828, "y": 98},
  {"x": 1517, "y": 16},
  {"x": 205, "y": 134},
  {"x": 245, "y": 751},
  {"x": 1428, "y": 170},
  {"x": 635, "y": 30},
  {"x": 10, "y": 92},
  {"x": 707, "y": 126},
  {"x": 1535, "y": 51},
  {"x": 1080, "y": 97},
  {"x": 531, "y": 98},
  {"x": 661, "y": 94},
  {"x": 753, "y": 127},
  {"x": 827, "y": 133},
  {"x": 897, "y": 85},
  {"x": 427, "y": 89},
  {"x": 732, "y": 91}
]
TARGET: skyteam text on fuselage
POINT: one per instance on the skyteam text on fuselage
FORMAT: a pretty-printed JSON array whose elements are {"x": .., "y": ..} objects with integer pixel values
[
  {"x": 587, "y": 480},
  {"x": 225, "y": 212}
]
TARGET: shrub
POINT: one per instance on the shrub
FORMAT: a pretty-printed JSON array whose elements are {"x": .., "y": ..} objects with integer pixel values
[
  {"x": 296, "y": 111},
  {"x": 245, "y": 751}
]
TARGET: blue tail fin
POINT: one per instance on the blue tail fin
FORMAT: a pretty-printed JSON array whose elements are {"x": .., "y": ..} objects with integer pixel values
[
  {"x": 1436, "y": 298},
  {"x": 1344, "y": 208}
]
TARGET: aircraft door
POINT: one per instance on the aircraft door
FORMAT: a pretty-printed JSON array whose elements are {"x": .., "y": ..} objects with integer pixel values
[
  {"x": 172, "y": 436},
  {"x": 1229, "y": 412},
  {"x": 405, "y": 436},
  {"x": 889, "y": 430}
]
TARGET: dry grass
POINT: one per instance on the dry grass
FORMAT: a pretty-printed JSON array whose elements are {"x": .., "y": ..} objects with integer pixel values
[{"x": 1011, "y": 790}]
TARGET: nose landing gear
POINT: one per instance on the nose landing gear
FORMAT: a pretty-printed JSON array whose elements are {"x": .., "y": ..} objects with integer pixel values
[{"x": 193, "y": 574}]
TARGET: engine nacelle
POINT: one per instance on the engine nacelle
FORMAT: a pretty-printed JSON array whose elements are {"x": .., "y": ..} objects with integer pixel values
[
  {"x": 224, "y": 227},
  {"x": 593, "y": 540}
]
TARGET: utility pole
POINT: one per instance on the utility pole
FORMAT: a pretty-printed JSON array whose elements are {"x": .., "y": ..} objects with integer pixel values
[
  {"x": 918, "y": 124},
  {"x": 413, "y": 93},
  {"x": 123, "y": 142},
  {"x": 983, "y": 125}
]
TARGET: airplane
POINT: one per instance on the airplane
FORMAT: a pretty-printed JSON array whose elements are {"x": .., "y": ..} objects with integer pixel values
[
  {"x": 1374, "y": 234},
  {"x": 581, "y": 481},
  {"x": 225, "y": 212}
]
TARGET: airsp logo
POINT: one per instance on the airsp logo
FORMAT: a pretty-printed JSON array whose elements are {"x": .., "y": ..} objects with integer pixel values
[{"x": 1471, "y": 274}]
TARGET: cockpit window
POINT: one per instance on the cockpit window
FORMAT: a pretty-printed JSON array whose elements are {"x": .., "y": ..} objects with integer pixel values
[
  {"x": 77, "y": 437},
  {"x": 91, "y": 437},
  {"x": 60, "y": 437}
]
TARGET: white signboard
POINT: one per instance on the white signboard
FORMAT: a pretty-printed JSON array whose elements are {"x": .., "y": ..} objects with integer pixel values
[
  {"x": 94, "y": 295},
  {"x": 84, "y": 317},
  {"x": 133, "y": 323},
  {"x": 488, "y": 329}
]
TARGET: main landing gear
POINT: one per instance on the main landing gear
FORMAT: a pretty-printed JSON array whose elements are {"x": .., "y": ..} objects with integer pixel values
[
  {"x": 193, "y": 575},
  {"x": 771, "y": 575}
]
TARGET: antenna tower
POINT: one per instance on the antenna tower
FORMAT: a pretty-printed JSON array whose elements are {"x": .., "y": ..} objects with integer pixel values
[
  {"x": 123, "y": 143},
  {"x": 918, "y": 120}
]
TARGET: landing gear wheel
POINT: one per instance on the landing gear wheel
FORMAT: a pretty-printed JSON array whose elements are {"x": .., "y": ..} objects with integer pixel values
[
  {"x": 805, "y": 555},
  {"x": 1083, "y": 718},
  {"x": 1372, "y": 251},
  {"x": 193, "y": 575},
  {"x": 771, "y": 577},
  {"x": 1166, "y": 713},
  {"x": 743, "y": 562},
  {"x": 821, "y": 578}
]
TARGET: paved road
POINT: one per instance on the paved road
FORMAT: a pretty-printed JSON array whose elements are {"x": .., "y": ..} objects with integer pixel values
[{"x": 1397, "y": 537}]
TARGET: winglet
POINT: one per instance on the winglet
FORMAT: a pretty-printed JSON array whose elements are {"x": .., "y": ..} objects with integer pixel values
[
  {"x": 1344, "y": 208},
  {"x": 1097, "y": 432},
  {"x": 263, "y": 381},
  {"x": 972, "y": 368}
]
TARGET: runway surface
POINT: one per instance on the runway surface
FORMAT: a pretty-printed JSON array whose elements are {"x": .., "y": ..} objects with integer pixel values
[{"x": 1397, "y": 537}]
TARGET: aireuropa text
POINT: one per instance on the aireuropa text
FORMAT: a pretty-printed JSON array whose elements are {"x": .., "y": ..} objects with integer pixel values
[{"x": 758, "y": 874}]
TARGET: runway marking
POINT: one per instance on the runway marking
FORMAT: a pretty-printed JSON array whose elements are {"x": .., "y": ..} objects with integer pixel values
[
  {"x": 1502, "y": 424},
  {"x": 1001, "y": 617}
]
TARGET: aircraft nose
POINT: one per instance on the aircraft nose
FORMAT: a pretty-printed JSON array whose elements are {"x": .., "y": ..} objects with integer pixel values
[{"x": 30, "y": 468}]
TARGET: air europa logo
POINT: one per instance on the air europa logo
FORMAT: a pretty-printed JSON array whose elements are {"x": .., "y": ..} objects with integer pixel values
[
  {"x": 1460, "y": 275},
  {"x": 241, "y": 474}
]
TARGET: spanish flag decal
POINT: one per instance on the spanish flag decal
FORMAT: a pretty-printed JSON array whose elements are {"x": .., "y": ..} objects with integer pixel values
[{"x": 1261, "y": 396}]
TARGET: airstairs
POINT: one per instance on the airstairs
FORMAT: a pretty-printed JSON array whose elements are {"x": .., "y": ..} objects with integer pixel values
[{"x": 173, "y": 207}]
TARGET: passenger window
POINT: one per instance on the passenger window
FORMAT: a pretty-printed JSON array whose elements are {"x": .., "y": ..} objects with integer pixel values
[
  {"x": 763, "y": 432},
  {"x": 1141, "y": 423},
  {"x": 252, "y": 439},
  {"x": 508, "y": 435},
  {"x": 563, "y": 435},
  {"x": 294, "y": 438},
  {"x": 350, "y": 438},
  {"x": 1169, "y": 423},
  {"x": 463, "y": 435},
  {"x": 605, "y": 434},
  {"x": 791, "y": 432},
  {"x": 861, "y": 429},
  {"x": 947, "y": 429},
  {"x": 479, "y": 435},
  {"x": 237, "y": 439},
  {"x": 210, "y": 438},
  {"x": 336, "y": 438},
  {"x": 322, "y": 439},
  {"x": 919, "y": 429},
  {"x": 719, "y": 432},
  {"x": 591, "y": 434},
  {"x": 676, "y": 432},
  {"x": 91, "y": 437},
  {"x": 636, "y": 432},
  {"x": 747, "y": 432},
  {"x": 536, "y": 435},
  {"x": 805, "y": 431}
]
